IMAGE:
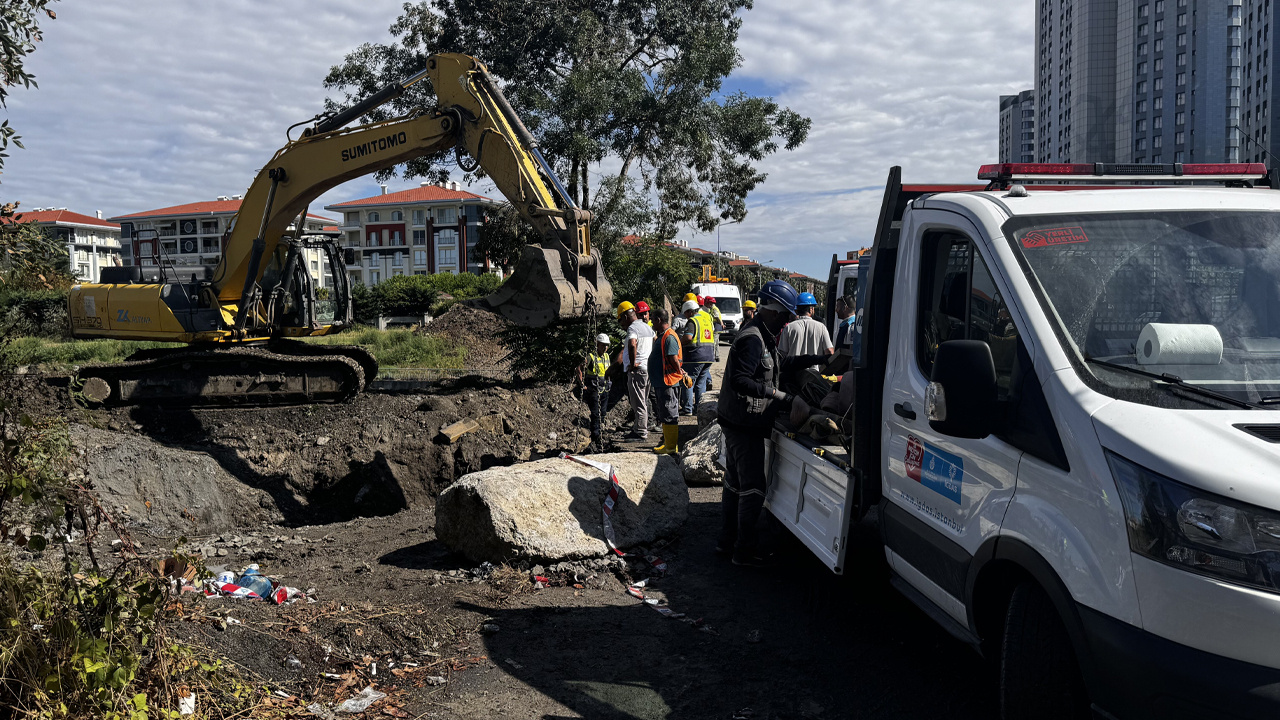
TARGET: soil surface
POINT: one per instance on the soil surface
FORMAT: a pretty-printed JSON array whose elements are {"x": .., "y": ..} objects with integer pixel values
[{"x": 351, "y": 489}]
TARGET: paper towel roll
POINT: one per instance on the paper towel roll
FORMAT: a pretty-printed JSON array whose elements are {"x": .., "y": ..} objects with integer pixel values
[{"x": 1171, "y": 344}]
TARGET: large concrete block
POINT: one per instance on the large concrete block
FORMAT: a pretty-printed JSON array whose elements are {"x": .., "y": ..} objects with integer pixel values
[{"x": 550, "y": 509}]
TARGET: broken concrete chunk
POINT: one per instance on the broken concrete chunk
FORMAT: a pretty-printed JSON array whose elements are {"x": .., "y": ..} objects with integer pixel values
[
  {"x": 458, "y": 429},
  {"x": 699, "y": 457},
  {"x": 322, "y": 440},
  {"x": 550, "y": 510}
]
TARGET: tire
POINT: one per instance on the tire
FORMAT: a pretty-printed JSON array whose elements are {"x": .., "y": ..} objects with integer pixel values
[{"x": 1039, "y": 676}]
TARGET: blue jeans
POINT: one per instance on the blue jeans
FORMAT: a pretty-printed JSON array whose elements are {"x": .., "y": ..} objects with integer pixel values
[{"x": 691, "y": 396}]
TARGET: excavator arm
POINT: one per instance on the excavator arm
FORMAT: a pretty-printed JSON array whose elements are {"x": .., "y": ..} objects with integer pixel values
[
  {"x": 242, "y": 321},
  {"x": 560, "y": 278}
]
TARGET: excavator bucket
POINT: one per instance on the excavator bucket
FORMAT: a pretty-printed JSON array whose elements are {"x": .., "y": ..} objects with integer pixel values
[{"x": 540, "y": 292}]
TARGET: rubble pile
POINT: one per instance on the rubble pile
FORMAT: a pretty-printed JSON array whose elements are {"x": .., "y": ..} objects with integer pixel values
[{"x": 476, "y": 330}]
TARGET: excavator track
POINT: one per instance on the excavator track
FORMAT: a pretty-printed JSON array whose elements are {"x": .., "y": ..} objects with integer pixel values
[
  {"x": 224, "y": 376},
  {"x": 363, "y": 357}
]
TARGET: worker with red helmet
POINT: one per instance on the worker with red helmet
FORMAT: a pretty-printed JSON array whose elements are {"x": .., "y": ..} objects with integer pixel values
[{"x": 642, "y": 313}]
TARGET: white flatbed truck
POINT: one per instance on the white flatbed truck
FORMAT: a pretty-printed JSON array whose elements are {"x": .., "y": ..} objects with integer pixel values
[{"x": 1068, "y": 421}]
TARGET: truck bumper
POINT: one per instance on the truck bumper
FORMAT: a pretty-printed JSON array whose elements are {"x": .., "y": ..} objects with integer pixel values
[{"x": 1137, "y": 674}]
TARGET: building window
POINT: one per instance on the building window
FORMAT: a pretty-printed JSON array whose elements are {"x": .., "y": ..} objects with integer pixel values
[
  {"x": 1157, "y": 142},
  {"x": 1142, "y": 48},
  {"x": 1159, "y": 45},
  {"x": 1160, "y": 26},
  {"x": 1157, "y": 103},
  {"x": 1182, "y": 18},
  {"x": 373, "y": 216},
  {"x": 419, "y": 217},
  {"x": 1159, "y": 6},
  {"x": 1179, "y": 118},
  {"x": 208, "y": 227},
  {"x": 1140, "y": 107},
  {"x": 1180, "y": 138},
  {"x": 1142, "y": 68},
  {"x": 397, "y": 216},
  {"x": 420, "y": 257},
  {"x": 375, "y": 259},
  {"x": 1157, "y": 158},
  {"x": 1157, "y": 122},
  {"x": 1140, "y": 126},
  {"x": 353, "y": 238},
  {"x": 419, "y": 237},
  {"x": 353, "y": 218},
  {"x": 1182, "y": 79},
  {"x": 397, "y": 237},
  {"x": 1143, "y": 10},
  {"x": 1142, "y": 86},
  {"x": 1142, "y": 30},
  {"x": 397, "y": 259},
  {"x": 1180, "y": 99},
  {"x": 1140, "y": 144},
  {"x": 447, "y": 237},
  {"x": 374, "y": 240},
  {"x": 1182, "y": 39},
  {"x": 1158, "y": 65},
  {"x": 1182, "y": 60},
  {"x": 375, "y": 277},
  {"x": 446, "y": 259},
  {"x": 209, "y": 245},
  {"x": 447, "y": 216},
  {"x": 1157, "y": 85}
]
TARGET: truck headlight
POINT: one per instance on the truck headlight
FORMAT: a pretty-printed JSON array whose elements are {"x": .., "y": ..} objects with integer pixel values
[{"x": 1197, "y": 531}]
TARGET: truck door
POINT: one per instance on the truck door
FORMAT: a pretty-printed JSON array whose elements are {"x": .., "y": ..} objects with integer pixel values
[{"x": 945, "y": 495}]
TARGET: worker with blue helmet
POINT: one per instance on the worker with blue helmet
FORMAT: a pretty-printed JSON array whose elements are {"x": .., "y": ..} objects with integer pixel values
[
  {"x": 749, "y": 400},
  {"x": 806, "y": 335}
]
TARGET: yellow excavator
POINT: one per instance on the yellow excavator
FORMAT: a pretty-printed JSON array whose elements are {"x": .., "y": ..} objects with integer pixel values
[{"x": 240, "y": 322}]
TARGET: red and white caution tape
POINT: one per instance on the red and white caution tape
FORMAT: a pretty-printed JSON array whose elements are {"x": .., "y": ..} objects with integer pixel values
[{"x": 610, "y": 504}]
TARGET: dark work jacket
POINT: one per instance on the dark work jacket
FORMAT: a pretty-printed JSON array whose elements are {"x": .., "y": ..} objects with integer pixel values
[{"x": 750, "y": 378}]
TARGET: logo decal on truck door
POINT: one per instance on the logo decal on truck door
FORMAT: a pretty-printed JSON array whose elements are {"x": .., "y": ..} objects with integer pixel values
[{"x": 935, "y": 469}]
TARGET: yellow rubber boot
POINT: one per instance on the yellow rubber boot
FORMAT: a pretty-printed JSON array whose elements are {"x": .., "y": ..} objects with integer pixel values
[{"x": 670, "y": 440}]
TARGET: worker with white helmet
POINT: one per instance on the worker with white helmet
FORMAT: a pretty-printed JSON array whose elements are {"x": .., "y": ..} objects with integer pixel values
[
  {"x": 635, "y": 358},
  {"x": 595, "y": 387}
]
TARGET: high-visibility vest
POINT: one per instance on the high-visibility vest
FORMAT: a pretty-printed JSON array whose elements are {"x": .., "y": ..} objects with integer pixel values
[
  {"x": 597, "y": 365},
  {"x": 715, "y": 314},
  {"x": 672, "y": 366},
  {"x": 706, "y": 334}
]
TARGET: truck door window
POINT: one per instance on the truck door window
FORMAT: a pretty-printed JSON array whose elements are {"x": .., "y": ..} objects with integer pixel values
[
  {"x": 991, "y": 322},
  {"x": 944, "y": 291}
]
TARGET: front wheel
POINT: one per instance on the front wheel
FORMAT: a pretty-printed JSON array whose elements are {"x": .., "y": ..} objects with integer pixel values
[{"x": 1039, "y": 676}]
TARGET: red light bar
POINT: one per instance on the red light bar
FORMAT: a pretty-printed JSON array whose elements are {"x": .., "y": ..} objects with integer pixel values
[{"x": 1136, "y": 171}]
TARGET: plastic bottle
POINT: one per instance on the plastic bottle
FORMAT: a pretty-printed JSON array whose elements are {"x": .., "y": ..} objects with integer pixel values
[{"x": 255, "y": 582}]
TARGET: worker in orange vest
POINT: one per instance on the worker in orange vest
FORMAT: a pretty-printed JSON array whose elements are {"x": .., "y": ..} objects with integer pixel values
[{"x": 667, "y": 378}]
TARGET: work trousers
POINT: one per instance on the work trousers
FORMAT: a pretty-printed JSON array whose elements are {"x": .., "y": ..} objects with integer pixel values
[
  {"x": 595, "y": 395},
  {"x": 668, "y": 406},
  {"x": 691, "y": 396},
  {"x": 638, "y": 394},
  {"x": 744, "y": 491}
]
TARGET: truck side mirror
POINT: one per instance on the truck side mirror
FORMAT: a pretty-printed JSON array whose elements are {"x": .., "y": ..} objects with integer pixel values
[{"x": 961, "y": 399}]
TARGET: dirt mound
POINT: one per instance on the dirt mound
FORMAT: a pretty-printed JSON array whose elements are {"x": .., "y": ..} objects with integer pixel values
[
  {"x": 376, "y": 455},
  {"x": 478, "y": 331}
]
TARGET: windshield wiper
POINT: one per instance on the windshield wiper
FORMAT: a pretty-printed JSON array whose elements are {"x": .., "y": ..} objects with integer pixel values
[{"x": 1176, "y": 381}]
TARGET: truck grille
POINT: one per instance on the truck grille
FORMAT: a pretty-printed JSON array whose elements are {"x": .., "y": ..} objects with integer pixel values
[{"x": 1270, "y": 433}]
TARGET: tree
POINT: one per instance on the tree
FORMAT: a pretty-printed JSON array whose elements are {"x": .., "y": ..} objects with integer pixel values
[
  {"x": 625, "y": 90},
  {"x": 504, "y": 235},
  {"x": 19, "y": 33},
  {"x": 30, "y": 258}
]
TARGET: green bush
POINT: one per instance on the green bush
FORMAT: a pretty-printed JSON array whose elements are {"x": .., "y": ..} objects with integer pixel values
[
  {"x": 417, "y": 294},
  {"x": 406, "y": 294},
  {"x": 35, "y": 313}
]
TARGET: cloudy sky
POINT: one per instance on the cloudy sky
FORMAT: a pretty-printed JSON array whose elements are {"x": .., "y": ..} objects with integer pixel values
[{"x": 149, "y": 103}]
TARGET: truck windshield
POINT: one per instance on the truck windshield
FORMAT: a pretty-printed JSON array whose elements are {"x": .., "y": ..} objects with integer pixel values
[
  {"x": 729, "y": 305},
  {"x": 1192, "y": 297}
]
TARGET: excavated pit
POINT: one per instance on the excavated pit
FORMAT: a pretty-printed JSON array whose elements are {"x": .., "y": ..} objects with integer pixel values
[{"x": 210, "y": 469}]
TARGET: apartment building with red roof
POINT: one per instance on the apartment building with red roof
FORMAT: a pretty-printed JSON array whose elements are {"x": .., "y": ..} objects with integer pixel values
[
  {"x": 92, "y": 243},
  {"x": 427, "y": 229},
  {"x": 191, "y": 234}
]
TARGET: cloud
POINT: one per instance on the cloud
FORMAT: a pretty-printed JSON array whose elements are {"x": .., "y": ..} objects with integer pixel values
[
  {"x": 886, "y": 82},
  {"x": 159, "y": 102}
]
